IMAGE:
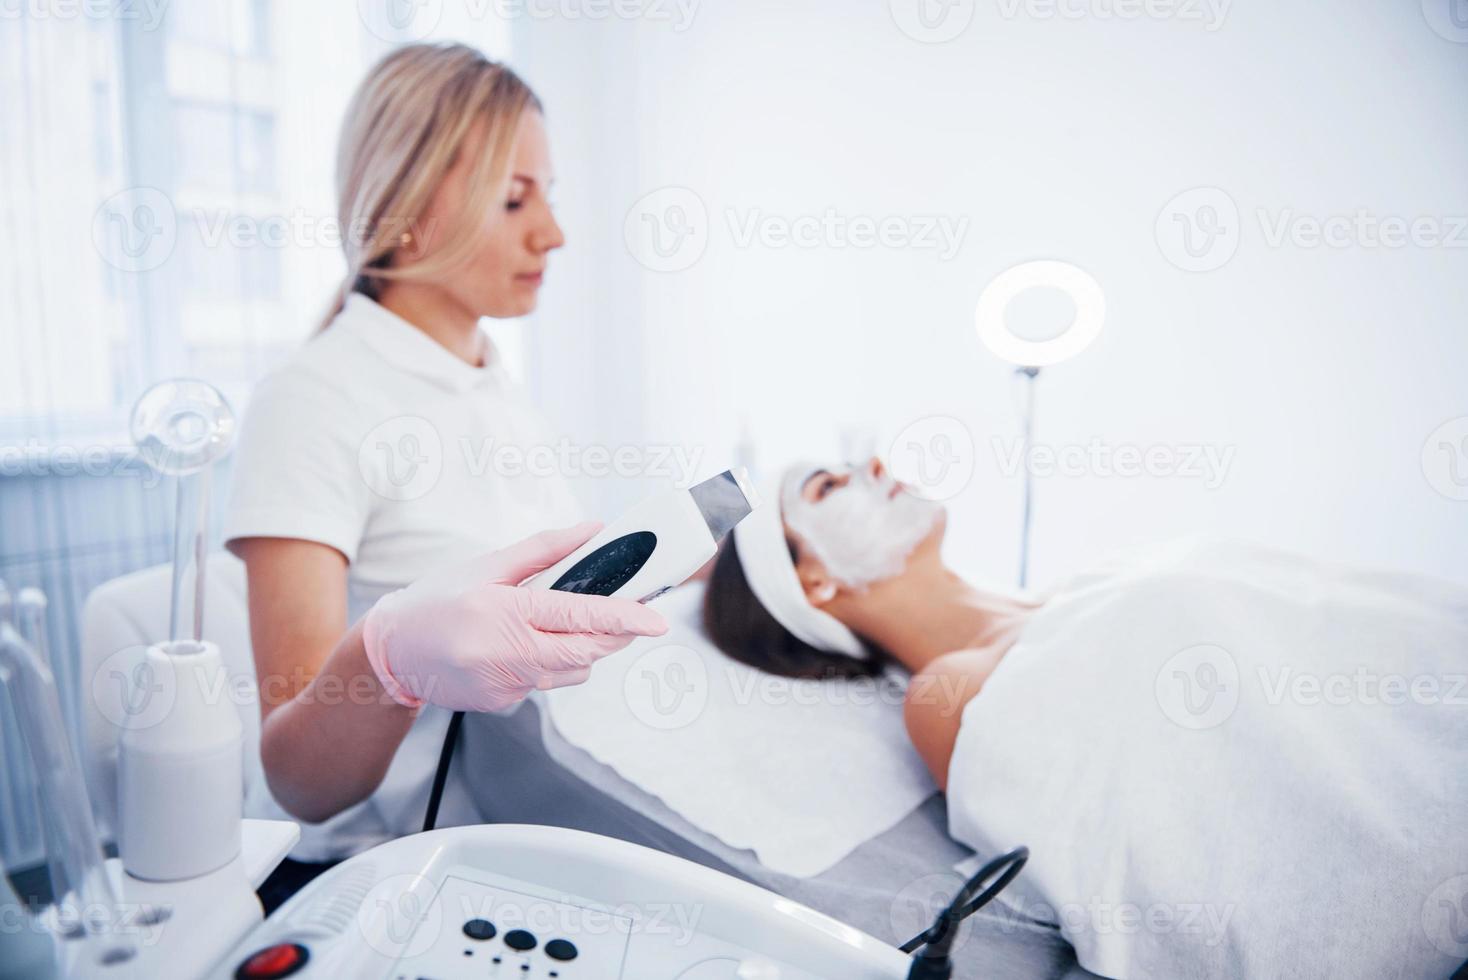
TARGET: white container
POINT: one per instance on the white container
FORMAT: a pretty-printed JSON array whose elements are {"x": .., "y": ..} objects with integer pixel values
[{"x": 180, "y": 766}]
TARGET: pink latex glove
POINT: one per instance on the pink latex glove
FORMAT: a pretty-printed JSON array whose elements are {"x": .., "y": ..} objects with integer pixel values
[{"x": 469, "y": 638}]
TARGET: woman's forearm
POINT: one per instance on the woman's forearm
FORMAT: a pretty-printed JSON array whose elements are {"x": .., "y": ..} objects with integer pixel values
[{"x": 329, "y": 746}]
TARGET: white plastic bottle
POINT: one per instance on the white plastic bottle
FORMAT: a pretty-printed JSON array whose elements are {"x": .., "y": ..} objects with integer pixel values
[{"x": 180, "y": 766}]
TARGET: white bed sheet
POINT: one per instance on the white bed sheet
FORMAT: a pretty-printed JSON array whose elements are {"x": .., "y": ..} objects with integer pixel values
[
  {"x": 686, "y": 724},
  {"x": 1216, "y": 775}
]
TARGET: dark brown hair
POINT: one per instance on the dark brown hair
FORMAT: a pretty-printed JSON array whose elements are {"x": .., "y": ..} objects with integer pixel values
[{"x": 738, "y": 625}]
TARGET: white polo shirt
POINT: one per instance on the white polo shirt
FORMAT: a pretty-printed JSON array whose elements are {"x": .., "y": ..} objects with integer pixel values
[{"x": 377, "y": 441}]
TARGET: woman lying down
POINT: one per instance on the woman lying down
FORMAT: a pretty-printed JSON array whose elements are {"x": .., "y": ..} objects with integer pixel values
[{"x": 1226, "y": 761}]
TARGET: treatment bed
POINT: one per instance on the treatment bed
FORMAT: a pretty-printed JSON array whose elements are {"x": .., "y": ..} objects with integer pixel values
[{"x": 519, "y": 768}]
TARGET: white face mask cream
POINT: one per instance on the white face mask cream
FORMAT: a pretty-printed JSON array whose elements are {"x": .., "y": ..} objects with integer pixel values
[{"x": 863, "y": 531}]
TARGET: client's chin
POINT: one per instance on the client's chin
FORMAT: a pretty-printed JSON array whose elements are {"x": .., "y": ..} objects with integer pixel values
[
  {"x": 926, "y": 553},
  {"x": 932, "y": 542}
]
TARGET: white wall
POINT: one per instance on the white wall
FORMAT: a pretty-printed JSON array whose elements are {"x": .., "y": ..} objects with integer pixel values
[{"x": 1323, "y": 370}]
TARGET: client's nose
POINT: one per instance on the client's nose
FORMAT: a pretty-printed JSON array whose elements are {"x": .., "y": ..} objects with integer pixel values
[{"x": 875, "y": 469}]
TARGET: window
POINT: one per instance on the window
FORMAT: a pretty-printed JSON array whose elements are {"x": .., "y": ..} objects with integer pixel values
[
  {"x": 146, "y": 174},
  {"x": 168, "y": 196}
]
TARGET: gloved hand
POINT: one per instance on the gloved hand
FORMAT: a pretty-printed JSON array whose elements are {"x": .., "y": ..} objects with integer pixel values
[{"x": 469, "y": 639}]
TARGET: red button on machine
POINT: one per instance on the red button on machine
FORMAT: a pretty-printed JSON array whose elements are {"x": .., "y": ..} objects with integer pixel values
[{"x": 274, "y": 962}]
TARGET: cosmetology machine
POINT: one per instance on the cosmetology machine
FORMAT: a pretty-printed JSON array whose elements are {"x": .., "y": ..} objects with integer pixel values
[
  {"x": 183, "y": 887},
  {"x": 482, "y": 901},
  {"x": 510, "y": 900}
]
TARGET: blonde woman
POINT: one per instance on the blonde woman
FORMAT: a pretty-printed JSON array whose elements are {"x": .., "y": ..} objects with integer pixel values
[{"x": 361, "y": 508}]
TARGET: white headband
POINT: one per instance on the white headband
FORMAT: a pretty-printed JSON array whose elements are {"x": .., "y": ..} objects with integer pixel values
[{"x": 765, "y": 558}]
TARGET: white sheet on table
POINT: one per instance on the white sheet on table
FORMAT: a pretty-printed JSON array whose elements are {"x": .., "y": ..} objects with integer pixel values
[
  {"x": 800, "y": 772},
  {"x": 1265, "y": 835}
]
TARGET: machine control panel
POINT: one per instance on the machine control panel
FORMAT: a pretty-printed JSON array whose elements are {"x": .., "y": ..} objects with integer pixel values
[
  {"x": 506, "y": 902},
  {"x": 474, "y": 928}
]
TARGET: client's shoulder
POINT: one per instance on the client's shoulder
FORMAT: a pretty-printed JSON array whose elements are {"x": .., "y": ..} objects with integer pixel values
[{"x": 936, "y": 697}]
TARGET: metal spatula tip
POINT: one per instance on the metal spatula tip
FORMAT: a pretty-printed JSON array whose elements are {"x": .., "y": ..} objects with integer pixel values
[{"x": 725, "y": 500}]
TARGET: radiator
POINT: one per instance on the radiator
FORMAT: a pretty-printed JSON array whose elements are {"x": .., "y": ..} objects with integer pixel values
[{"x": 67, "y": 534}]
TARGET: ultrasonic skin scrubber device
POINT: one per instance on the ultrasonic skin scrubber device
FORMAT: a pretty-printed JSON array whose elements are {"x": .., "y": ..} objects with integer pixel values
[{"x": 656, "y": 545}]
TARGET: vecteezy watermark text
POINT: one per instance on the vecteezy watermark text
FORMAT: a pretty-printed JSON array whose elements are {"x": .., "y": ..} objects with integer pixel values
[
  {"x": 566, "y": 458},
  {"x": 303, "y": 229},
  {"x": 403, "y": 458},
  {"x": 1201, "y": 229},
  {"x": 1362, "y": 229},
  {"x": 669, "y": 686},
  {"x": 669, "y": 229},
  {"x": 149, "y": 12},
  {"x": 1208, "y": 463},
  {"x": 1209, "y": 13},
  {"x": 1201, "y": 686},
  {"x": 938, "y": 21},
  {"x": 399, "y": 21},
  {"x": 942, "y": 233},
  {"x": 33, "y": 457},
  {"x": 1204, "y": 920},
  {"x": 1361, "y": 686}
]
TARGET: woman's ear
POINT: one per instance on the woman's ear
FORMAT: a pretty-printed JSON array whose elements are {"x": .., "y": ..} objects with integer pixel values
[
  {"x": 819, "y": 587},
  {"x": 822, "y": 593}
]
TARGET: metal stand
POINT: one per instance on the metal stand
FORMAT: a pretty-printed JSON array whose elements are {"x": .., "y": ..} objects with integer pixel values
[{"x": 1029, "y": 374}]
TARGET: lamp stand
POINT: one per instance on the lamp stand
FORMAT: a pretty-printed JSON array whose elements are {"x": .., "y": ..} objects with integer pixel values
[{"x": 1030, "y": 374}]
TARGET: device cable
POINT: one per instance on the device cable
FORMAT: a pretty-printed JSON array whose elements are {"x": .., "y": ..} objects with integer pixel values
[
  {"x": 445, "y": 756},
  {"x": 933, "y": 946}
]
